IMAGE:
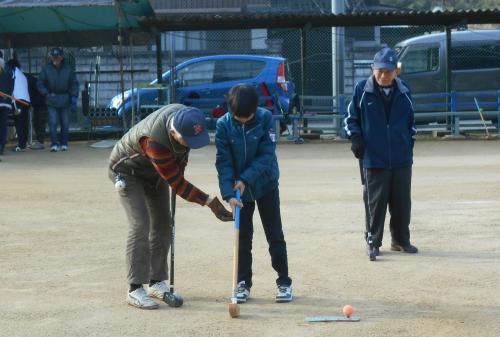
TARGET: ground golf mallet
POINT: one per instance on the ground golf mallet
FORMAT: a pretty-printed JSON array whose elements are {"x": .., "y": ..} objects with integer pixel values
[
  {"x": 234, "y": 308},
  {"x": 171, "y": 298},
  {"x": 369, "y": 239},
  {"x": 480, "y": 110},
  {"x": 20, "y": 101}
]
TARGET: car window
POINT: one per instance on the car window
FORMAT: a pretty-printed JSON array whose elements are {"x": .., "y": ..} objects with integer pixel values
[
  {"x": 196, "y": 74},
  {"x": 475, "y": 56},
  {"x": 232, "y": 70},
  {"x": 420, "y": 60}
]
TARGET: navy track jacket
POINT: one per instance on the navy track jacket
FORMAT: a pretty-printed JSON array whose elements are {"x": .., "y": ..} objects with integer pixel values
[{"x": 389, "y": 144}]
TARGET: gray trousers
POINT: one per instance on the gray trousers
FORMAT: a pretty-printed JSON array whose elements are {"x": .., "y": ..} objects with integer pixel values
[
  {"x": 388, "y": 187},
  {"x": 149, "y": 231}
]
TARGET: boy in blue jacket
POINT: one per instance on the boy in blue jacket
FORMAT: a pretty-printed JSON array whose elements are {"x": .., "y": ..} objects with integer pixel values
[
  {"x": 246, "y": 160},
  {"x": 380, "y": 124}
]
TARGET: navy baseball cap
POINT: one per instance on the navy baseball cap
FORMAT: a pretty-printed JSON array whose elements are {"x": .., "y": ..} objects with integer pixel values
[
  {"x": 386, "y": 59},
  {"x": 56, "y": 52},
  {"x": 190, "y": 123}
]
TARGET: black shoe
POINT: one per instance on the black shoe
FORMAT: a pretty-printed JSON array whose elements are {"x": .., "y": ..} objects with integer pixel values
[
  {"x": 372, "y": 252},
  {"x": 410, "y": 249}
]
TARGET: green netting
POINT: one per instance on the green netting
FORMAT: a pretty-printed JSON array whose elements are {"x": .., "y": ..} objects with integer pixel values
[{"x": 68, "y": 16}]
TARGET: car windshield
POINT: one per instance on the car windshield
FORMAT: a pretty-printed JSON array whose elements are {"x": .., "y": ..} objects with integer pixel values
[{"x": 165, "y": 76}]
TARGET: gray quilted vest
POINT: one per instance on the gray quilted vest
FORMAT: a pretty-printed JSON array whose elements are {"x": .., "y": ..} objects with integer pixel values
[{"x": 127, "y": 156}]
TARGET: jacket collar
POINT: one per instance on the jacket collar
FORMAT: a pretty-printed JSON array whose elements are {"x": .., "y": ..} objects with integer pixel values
[
  {"x": 370, "y": 86},
  {"x": 250, "y": 122}
]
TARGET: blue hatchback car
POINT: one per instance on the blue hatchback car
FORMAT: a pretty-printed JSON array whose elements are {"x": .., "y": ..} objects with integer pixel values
[{"x": 203, "y": 82}]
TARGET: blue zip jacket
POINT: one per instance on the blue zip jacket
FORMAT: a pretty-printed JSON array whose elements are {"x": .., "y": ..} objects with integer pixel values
[
  {"x": 246, "y": 152},
  {"x": 388, "y": 144},
  {"x": 61, "y": 82}
]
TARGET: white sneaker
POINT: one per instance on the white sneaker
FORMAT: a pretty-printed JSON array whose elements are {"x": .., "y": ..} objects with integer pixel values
[
  {"x": 54, "y": 148},
  {"x": 243, "y": 292},
  {"x": 18, "y": 149},
  {"x": 158, "y": 289},
  {"x": 284, "y": 294},
  {"x": 139, "y": 299},
  {"x": 64, "y": 148}
]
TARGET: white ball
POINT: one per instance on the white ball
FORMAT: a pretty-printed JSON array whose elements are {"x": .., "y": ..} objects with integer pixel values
[{"x": 119, "y": 185}]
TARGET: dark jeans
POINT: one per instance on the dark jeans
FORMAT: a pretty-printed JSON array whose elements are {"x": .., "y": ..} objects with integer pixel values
[
  {"x": 39, "y": 123},
  {"x": 21, "y": 123},
  {"x": 269, "y": 211},
  {"x": 59, "y": 116},
  {"x": 389, "y": 187},
  {"x": 4, "y": 116}
]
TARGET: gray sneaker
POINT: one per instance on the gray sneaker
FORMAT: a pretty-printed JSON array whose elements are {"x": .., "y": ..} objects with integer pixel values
[
  {"x": 54, "y": 148},
  {"x": 158, "y": 289},
  {"x": 37, "y": 146},
  {"x": 284, "y": 294},
  {"x": 139, "y": 299}
]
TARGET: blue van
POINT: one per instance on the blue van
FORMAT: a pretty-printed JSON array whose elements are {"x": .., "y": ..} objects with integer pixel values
[{"x": 203, "y": 82}]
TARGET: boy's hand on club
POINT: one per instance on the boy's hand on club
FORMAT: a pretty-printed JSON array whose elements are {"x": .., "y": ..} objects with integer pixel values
[
  {"x": 219, "y": 210},
  {"x": 240, "y": 185}
]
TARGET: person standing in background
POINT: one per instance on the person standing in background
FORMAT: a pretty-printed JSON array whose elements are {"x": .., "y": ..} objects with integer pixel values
[
  {"x": 6, "y": 87},
  {"x": 58, "y": 83},
  {"x": 21, "y": 116}
]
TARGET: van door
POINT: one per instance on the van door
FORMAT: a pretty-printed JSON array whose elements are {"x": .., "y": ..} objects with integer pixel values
[{"x": 422, "y": 68}]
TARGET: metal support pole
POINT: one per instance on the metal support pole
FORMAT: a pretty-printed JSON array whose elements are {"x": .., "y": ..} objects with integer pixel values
[
  {"x": 303, "y": 55},
  {"x": 159, "y": 67},
  {"x": 341, "y": 111},
  {"x": 30, "y": 130},
  {"x": 338, "y": 51},
  {"x": 131, "y": 66},
  {"x": 448, "y": 84},
  {"x": 29, "y": 60},
  {"x": 456, "y": 117},
  {"x": 171, "y": 91},
  {"x": 118, "y": 12},
  {"x": 302, "y": 61},
  {"x": 498, "y": 115}
]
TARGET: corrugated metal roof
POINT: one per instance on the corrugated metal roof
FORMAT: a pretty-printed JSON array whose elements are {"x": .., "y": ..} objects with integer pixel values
[{"x": 297, "y": 20}]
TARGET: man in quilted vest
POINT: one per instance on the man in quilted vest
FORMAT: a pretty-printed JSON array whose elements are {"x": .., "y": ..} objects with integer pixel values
[{"x": 148, "y": 159}]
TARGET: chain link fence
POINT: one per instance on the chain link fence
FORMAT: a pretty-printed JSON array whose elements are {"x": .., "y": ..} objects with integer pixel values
[{"x": 314, "y": 67}]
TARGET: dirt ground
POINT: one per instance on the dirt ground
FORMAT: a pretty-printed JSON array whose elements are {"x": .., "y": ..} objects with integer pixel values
[{"x": 63, "y": 231}]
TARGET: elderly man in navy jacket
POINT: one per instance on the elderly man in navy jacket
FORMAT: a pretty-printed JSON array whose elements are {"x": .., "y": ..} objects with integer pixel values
[{"x": 381, "y": 127}]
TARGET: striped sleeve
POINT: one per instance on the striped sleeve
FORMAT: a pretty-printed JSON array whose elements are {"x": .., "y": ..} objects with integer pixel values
[{"x": 171, "y": 171}]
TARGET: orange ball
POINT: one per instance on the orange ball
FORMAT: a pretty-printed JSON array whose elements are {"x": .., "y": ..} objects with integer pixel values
[{"x": 347, "y": 310}]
